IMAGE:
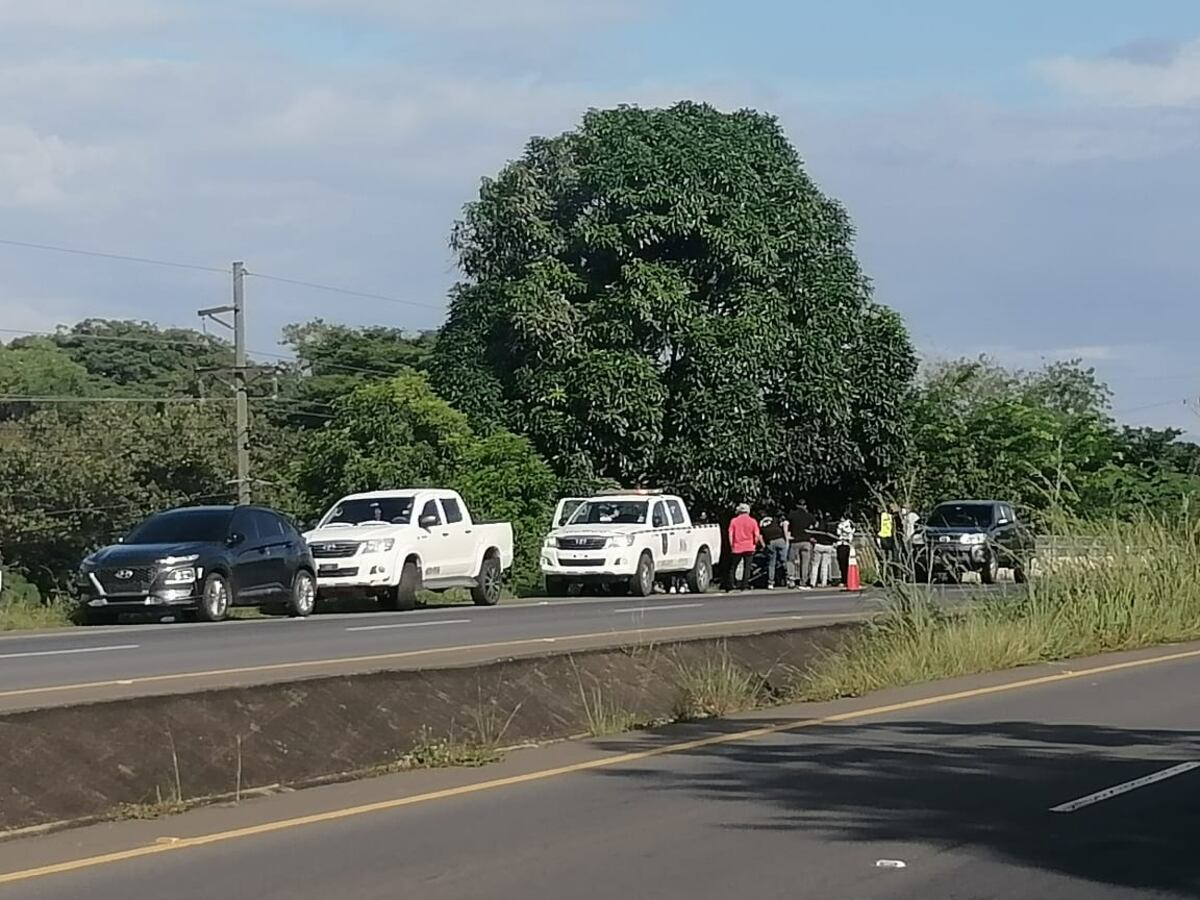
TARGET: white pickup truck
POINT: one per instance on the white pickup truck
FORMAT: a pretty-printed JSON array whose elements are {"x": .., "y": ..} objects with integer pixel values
[
  {"x": 629, "y": 538},
  {"x": 391, "y": 544}
]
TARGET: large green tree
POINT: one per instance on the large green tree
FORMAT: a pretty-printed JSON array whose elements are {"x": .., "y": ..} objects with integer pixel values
[
  {"x": 664, "y": 296},
  {"x": 398, "y": 433}
]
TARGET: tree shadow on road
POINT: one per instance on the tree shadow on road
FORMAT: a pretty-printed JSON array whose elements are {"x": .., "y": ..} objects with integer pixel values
[{"x": 988, "y": 787}]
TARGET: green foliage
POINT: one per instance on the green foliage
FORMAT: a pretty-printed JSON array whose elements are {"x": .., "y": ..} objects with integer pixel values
[
  {"x": 664, "y": 296},
  {"x": 335, "y": 359},
  {"x": 1044, "y": 440},
  {"x": 398, "y": 433},
  {"x": 36, "y": 367},
  {"x": 139, "y": 357}
]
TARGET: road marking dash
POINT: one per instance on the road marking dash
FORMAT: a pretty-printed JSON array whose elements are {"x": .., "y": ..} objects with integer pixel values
[
  {"x": 632, "y": 609},
  {"x": 72, "y": 651},
  {"x": 1124, "y": 788},
  {"x": 409, "y": 625}
]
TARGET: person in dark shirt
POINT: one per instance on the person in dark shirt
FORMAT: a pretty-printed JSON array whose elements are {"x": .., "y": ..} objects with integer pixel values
[
  {"x": 800, "y": 525},
  {"x": 775, "y": 539}
]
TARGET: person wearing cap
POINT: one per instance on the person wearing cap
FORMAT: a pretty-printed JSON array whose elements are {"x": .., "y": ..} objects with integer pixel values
[{"x": 744, "y": 538}]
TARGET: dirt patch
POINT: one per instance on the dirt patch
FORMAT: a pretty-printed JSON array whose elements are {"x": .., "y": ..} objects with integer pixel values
[{"x": 78, "y": 762}]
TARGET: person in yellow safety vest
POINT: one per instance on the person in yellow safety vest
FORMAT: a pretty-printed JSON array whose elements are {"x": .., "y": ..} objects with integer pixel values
[{"x": 887, "y": 536}]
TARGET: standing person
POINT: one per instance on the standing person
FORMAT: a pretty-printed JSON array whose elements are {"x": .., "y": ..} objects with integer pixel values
[
  {"x": 845, "y": 538},
  {"x": 800, "y": 522},
  {"x": 823, "y": 540},
  {"x": 744, "y": 538},
  {"x": 777, "y": 547},
  {"x": 887, "y": 538}
]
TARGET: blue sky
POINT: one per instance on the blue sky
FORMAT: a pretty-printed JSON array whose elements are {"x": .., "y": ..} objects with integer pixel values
[{"x": 1022, "y": 174}]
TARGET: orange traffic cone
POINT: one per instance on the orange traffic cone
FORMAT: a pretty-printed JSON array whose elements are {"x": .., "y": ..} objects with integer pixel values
[{"x": 851, "y": 581}]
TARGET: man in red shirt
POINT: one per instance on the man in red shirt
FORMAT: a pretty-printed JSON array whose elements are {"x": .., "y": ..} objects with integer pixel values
[{"x": 744, "y": 539}]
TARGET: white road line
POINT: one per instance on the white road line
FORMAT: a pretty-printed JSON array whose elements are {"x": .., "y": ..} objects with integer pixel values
[
  {"x": 409, "y": 625},
  {"x": 65, "y": 652},
  {"x": 658, "y": 608},
  {"x": 1117, "y": 790}
]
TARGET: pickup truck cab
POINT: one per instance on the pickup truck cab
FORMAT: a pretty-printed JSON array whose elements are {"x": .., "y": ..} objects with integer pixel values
[
  {"x": 973, "y": 536},
  {"x": 627, "y": 538},
  {"x": 391, "y": 544}
]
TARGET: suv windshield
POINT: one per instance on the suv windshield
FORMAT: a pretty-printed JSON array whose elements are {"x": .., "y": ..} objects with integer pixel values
[
  {"x": 610, "y": 512},
  {"x": 961, "y": 515},
  {"x": 182, "y": 526},
  {"x": 371, "y": 511}
]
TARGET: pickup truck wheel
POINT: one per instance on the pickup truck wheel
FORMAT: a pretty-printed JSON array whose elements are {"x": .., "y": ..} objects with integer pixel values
[
  {"x": 642, "y": 582},
  {"x": 214, "y": 599},
  {"x": 990, "y": 572},
  {"x": 699, "y": 579},
  {"x": 487, "y": 591},
  {"x": 304, "y": 595},
  {"x": 403, "y": 597}
]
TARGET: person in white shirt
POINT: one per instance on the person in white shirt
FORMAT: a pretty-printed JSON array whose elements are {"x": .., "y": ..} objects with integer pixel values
[{"x": 845, "y": 538}]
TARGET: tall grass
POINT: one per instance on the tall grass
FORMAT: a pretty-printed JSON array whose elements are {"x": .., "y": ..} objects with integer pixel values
[
  {"x": 1138, "y": 585},
  {"x": 21, "y": 614}
]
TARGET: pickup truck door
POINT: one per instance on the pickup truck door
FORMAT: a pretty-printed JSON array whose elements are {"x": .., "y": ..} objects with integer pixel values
[
  {"x": 565, "y": 509},
  {"x": 681, "y": 536},
  {"x": 459, "y": 545},
  {"x": 433, "y": 542}
]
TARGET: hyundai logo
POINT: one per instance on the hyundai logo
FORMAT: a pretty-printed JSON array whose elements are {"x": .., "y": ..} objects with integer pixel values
[{"x": 123, "y": 574}]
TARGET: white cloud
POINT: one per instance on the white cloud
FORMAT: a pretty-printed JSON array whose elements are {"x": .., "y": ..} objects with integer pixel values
[
  {"x": 1132, "y": 76},
  {"x": 37, "y": 169}
]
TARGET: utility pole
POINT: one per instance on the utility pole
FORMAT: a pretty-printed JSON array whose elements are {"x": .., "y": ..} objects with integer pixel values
[{"x": 241, "y": 397}]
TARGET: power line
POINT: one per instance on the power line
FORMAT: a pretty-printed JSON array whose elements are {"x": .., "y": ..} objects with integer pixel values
[
  {"x": 21, "y": 398},
  {"x": 145, "y": 260},
  {"x": 216, "y": 345},
  {"x": 340, "y": 290}
]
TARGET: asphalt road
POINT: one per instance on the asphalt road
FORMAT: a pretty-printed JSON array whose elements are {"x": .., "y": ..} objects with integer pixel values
[
  {"x": 989, "y": 788},
  {"x": 82, "y": 664}
]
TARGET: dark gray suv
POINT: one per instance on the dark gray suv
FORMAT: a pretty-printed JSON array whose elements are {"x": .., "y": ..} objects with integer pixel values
[{"x": 203, "y": 560}]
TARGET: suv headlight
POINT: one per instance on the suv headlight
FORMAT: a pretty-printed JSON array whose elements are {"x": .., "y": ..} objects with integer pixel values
[
  {"x": 972, "y": 539},
  {"x": 184, "y": 575},
  {"x": 380, "y": 546},
  {"x": 621, "y": 540}
]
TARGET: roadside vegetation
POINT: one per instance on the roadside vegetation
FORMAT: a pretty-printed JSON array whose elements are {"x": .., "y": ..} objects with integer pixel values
[{"x": 1138, "y": 585}]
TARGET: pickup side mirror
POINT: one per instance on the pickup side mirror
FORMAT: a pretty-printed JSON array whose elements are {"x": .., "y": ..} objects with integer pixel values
[
  {"x": 234, "y": 539},
  {"x": 428, "y": 521}
]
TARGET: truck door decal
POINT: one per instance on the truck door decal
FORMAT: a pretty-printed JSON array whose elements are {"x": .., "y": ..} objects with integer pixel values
[{"x": 665, "y": 539}]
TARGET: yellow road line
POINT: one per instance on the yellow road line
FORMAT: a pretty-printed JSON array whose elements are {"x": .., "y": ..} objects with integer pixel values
[
  {"x": 543, "y": 774},
  {"x": 545, "y": 641}
]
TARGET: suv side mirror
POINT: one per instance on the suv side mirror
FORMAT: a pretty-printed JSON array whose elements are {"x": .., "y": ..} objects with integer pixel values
[
  {"x": 429, "y": 521},
  {"x": 234, "y": 539}
]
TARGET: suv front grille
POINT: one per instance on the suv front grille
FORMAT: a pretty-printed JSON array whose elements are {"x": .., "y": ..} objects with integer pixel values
[
  {"x": 334, "y": 549},
  {"x": 126, "y": 579},
  {"x": 581, "y": 543}
]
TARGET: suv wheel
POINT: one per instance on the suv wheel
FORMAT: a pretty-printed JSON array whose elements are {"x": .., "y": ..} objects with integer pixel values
[
  {"x": 304, "y": 595},
  {"x": 990, "y": 572},
  {"x": 214, "y": 599}
]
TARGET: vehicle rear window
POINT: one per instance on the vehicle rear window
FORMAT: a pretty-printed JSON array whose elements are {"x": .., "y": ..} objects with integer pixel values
[
  {"x": 364, "y": 510},
  {"x": 180, "y": 526},
  {"x": 660, "y": 516},
  {"x": 961, "y": 515},
  {"x": 676, "y": 512},
  {"x": 267, "y": 525},
  {"x": 452, "y": 510}
]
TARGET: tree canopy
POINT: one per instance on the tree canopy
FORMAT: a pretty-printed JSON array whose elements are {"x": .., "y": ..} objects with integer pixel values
[{"x": 664, "y": 296}]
